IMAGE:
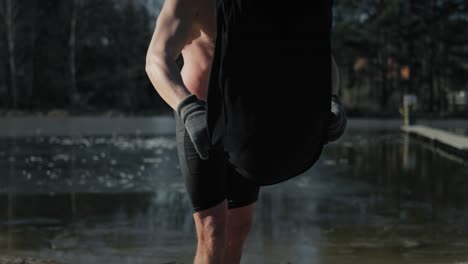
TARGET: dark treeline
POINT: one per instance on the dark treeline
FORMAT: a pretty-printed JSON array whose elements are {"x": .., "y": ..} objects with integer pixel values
[
  {"x": 76, "y": 54},
  {"x": 89, "y": 55},
  {"x": 390, "y": 48}
]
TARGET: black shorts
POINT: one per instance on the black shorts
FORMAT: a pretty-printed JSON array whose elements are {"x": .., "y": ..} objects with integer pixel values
[{"x": 209, "y": 182}]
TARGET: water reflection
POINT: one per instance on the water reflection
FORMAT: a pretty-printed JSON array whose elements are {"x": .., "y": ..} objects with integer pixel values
[{"x": 376, "y": 197}]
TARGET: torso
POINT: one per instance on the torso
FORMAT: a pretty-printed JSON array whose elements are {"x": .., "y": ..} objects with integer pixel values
[{"x": 198, "y": 51}]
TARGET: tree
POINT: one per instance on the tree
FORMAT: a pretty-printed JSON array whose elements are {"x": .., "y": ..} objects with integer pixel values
[
  {"x": 72, "y": 46},
  {"x": 9, "y": 13}
]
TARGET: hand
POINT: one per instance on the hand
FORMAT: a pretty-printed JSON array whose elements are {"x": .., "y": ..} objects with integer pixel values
[
  {"x": 338, "y": 120},
  {"x": 193, "y": 114}
]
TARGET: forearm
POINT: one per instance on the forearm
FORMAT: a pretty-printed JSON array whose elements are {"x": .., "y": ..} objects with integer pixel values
[
  {"x": 166, "y": 79},
  {"x": 335, "y": 77},
  {"x": 338, "y": 121}
]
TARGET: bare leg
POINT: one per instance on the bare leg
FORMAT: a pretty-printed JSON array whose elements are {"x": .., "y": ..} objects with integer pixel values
[
  {"x": 211, "y": 234},
  {"x": 239, "y": 223}
]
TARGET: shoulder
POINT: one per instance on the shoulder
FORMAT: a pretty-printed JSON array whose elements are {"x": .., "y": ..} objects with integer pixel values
[{"x": 206, "y": 17}]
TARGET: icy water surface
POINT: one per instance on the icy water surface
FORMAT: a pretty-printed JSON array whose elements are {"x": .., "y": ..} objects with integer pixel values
[{"x": 377, "y": 196}]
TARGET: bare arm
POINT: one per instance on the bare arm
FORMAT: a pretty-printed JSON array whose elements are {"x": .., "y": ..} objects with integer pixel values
[
  {"x": 172, "y": 30},
  {"x": 335, "y": 78},
  {"x": 338, "y": 122}
]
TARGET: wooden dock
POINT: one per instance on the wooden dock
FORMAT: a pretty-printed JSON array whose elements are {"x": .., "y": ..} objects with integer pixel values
[{"x": 455, "y": 144}]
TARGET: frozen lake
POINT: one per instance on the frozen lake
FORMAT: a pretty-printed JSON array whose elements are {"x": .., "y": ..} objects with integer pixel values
[{"x": 97, "y": 191}]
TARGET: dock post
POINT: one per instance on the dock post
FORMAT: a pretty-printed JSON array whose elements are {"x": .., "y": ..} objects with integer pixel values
[{"x": 409, "y": 109}]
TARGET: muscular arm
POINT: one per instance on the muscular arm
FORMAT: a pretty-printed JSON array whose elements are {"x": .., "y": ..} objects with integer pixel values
[
  {"x": 172, "y": 30},
  {"x": 338, "y": 121},
  {"x": 335, "y": 77}
]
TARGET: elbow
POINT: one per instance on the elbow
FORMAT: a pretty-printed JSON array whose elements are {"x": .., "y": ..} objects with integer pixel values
[
  {"x": 156, "y": 57},
  {"x": 152, "y": 62},
  {"x": 155, "y": 69}
]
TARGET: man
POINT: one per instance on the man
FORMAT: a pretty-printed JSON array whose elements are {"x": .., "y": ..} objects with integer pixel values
[{"x": 228, "y": 97}]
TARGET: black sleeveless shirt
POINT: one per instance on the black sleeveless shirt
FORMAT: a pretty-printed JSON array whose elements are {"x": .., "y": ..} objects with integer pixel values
[{"x": 268, "y": 103}]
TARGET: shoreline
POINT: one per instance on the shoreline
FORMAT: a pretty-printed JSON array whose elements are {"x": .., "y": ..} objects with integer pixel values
[
  {"x": 4, "y": 113},
  {"x": 61, "y": 112},
  {"x": 27, "y": 126}
]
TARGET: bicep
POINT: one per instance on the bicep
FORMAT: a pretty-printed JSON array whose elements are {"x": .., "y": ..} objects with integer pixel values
[{"x": 173, "y": 27}]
